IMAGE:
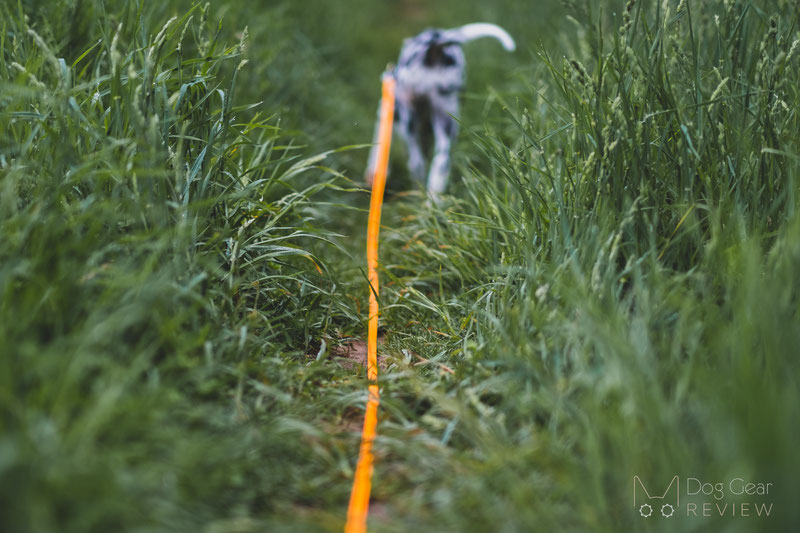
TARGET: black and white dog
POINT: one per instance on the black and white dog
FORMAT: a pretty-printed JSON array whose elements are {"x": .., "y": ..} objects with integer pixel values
[{"x": 429, "y": 77}]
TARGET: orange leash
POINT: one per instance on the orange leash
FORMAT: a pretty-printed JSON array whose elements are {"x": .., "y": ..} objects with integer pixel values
[{"x": 362, "y": 483}]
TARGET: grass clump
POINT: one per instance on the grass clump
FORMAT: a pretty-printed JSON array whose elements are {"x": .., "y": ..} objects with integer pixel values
[
  {"x": 160, "y": 286},
  {"x": 623, "y": 279}
]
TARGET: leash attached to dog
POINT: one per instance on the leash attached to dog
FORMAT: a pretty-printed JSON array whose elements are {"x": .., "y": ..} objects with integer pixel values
[{"x": 362, "y": 483}]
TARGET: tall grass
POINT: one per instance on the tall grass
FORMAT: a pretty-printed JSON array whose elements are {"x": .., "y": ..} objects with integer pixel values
[
  {"x": 611, "y": 289},
  {"x": 160, "y": 286},
  {"x": 618, "y": 294}
]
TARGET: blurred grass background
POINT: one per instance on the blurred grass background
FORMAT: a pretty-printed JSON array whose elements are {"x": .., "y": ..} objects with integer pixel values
[{"x": 610, "y": 290}]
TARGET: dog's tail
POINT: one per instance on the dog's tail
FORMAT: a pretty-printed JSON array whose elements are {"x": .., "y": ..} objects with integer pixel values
[{"x": 481, "y": 29}]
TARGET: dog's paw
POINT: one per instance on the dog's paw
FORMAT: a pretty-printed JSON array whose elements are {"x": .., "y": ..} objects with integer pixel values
[{"x": 434, "y": 199}]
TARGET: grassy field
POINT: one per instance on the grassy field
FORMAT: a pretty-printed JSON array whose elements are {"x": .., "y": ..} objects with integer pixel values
[{"x": 610, "y": 289}]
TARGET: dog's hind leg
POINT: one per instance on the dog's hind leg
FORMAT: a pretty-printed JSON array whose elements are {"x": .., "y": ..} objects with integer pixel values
[
  {"x": 445, "y": 129},
  {"x": 409, "y": 131},
  {"x": 372, "y": 162}
]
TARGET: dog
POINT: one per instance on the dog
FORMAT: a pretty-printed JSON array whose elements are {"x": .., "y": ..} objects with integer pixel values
[{"x": 429, "y": 77}]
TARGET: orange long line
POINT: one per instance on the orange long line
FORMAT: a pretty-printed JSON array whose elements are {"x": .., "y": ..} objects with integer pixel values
[{"x": 358, "y": 509}]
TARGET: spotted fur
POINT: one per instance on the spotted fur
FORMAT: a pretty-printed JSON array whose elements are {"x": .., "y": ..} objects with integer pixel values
[{"x": 430, "y": 76}]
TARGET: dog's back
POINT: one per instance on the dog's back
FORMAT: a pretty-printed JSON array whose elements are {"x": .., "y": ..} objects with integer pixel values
[{"x": 430, "y": 62}]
